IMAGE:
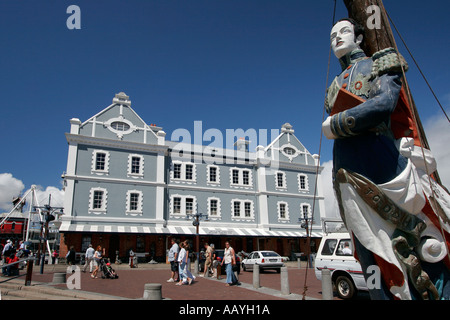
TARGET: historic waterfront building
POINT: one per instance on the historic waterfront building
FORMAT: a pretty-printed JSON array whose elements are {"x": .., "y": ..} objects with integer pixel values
[{"x": 127, "y": 186}]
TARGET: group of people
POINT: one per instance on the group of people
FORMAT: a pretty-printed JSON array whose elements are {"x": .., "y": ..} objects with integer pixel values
[
  {"x": 92, "y": 260},
  {"x": 179, "y": 263},
  {"x": 11, "y": 254}
]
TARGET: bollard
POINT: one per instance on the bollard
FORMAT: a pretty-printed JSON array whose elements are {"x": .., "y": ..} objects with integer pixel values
[
  {"x": 284, "y": 281},
  {"x": 152, "y": 291},
  {"x": 256, "y": 276},
  {"x": 298, "y": 263},
  {"x": 327, "y": 286},
  {"x": 59, "y": 277}
]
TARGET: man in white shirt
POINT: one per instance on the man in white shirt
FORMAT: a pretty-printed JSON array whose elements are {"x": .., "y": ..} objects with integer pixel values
[
  {"x": 89, "y": 257},
  {"x": 173, "y": 255}
]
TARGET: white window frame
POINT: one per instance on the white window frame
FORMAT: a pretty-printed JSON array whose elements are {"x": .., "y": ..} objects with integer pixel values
[
  {"x": 104, "y": 206},
  {"x": 139, "y": 210},
  {"x": 304, "y": 204},
  {"x": 240, "y": 183},
  {"x": 182, "y": 178},
  {"x": 286, "y": 213},
  {"x": 182, "y": 213},
  {"x": 241, "y": 216},
  {"x": 284, "y": 186},
  {"x": 141, "y": 166},
  {"x": 217, "y": 216},
  {"x": 208, "y": 175},
  {"x": 300, "y": 189},
  {"x": 94, "y": 162}
]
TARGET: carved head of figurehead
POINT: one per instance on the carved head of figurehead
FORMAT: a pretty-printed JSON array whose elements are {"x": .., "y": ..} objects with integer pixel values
[{"x": 346, "y": 36}]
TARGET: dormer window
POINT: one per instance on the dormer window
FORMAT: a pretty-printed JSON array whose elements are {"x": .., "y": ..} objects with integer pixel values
[
  {"x": 289, "y": 151},
  {"x": 120, "y": 126}
]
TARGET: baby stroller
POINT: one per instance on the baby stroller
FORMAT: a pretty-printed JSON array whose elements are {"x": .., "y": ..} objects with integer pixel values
[{"x": 107, "y": 270}]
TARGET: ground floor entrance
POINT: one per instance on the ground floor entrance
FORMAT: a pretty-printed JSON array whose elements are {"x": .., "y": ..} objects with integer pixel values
[{"x": 154, "y": 247}]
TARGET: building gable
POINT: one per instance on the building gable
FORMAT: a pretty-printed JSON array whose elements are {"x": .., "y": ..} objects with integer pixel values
[
  {"x": 119, "y": 122},
  {"x": 287, "y": 148}
]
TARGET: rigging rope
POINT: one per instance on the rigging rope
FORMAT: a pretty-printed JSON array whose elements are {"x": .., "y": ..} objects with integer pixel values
[
  {"x": 417, "y": 65},
  {"x": 305, "y": 286},
  {"x": 421, "y": 134}
]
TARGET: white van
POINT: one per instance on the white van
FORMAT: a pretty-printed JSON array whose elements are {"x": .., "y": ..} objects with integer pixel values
[{"x": 336, "y": 254}]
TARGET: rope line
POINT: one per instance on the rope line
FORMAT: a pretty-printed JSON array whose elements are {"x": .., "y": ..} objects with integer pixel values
[{"x": 308, "y": 243}]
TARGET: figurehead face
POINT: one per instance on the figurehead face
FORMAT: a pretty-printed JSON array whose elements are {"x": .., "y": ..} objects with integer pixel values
[{"x": 344, "y": 39}]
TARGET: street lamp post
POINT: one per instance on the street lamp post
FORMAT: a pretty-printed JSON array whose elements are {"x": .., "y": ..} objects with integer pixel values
[
  {"x": 304, "y": 223},
  {"x": 196, "y": 223},
  {"x": 49, "y": 215}
]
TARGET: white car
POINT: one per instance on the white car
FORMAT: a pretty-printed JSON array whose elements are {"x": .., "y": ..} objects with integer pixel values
[
  {"x": 265, "y": 259},
  {"x": 336, "y": 254}
]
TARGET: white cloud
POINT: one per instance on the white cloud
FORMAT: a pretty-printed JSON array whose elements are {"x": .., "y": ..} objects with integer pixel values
[
  {"x": 437, "y": 130},
  {"x": 10, "y": 188},
  {"x": 56, "y": 196}
]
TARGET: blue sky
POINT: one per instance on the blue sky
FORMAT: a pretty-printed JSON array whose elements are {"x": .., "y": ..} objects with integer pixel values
[{"x": 231, "y": 64}]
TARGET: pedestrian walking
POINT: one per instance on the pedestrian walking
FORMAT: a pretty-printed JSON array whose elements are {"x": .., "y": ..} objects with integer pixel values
[
  {"x": 54, "y": 256},
  {"x": 97, "y": 257},
  {"x": 190, "y": 276},
  {"x": 89, "y": 258},
  {"x": 173, "y": 260},
  {"x": 185, "y": 275},
  {"x": 71, "y": 256},
  {"x": 229, "y": 259},
  {"x": 208, "y": 259}
]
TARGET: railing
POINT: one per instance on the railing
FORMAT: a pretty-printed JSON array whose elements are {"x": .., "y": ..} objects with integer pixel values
[{"x": 29, "y": 273}]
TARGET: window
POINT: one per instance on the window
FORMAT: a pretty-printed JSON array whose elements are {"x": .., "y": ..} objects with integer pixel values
[
  {"x": 242, "y": 210},
  {"x": 100, "y": 162},
  {"x": 241, "y": 178},
  {"x": 283, "y": 211},
  {"x": 247, "y": 209},
  {"x": 303, "y": 182},
  {"x": 189, "y": 171},
  {"x": 213, "y": 175},
  {"x": 181, "y": 205},
  {"x": 134, "y": 201},
  {"x": 328, "y": 247},
  {"x": 280, "y": 180},
  {"x": 189, "y": 206},
  {"x": 98, "y": 200},
  {"x": 177, "y": 171},
  {"x": 120, "y": 126},
  {"x": 237, "y": 208},
  {"x": 345, "y": 248},
  {"x": 235, "y": 176},
  {"x": 245, "y": 177},
  {"x": 177, "y": 205},
  {"x": 135, "y": 165},
  {"x": 85, "y": 242},
  {"x": 183, "y": 172},
  {"x": 289, "y": 151},
  {"x": 214, "y": 208},
  {"x": 305, "y": 211}
]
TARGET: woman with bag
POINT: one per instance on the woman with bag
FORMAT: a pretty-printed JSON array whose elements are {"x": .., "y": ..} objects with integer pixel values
[{"x": 229, "y": 259}]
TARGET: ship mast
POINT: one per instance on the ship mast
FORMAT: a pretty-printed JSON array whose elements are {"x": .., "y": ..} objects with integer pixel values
[{"x": 377, "y": 39}]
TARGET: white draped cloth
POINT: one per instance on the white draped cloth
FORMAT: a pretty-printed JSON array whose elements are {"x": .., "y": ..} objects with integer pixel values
[{"x": 409, "y": 191}]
